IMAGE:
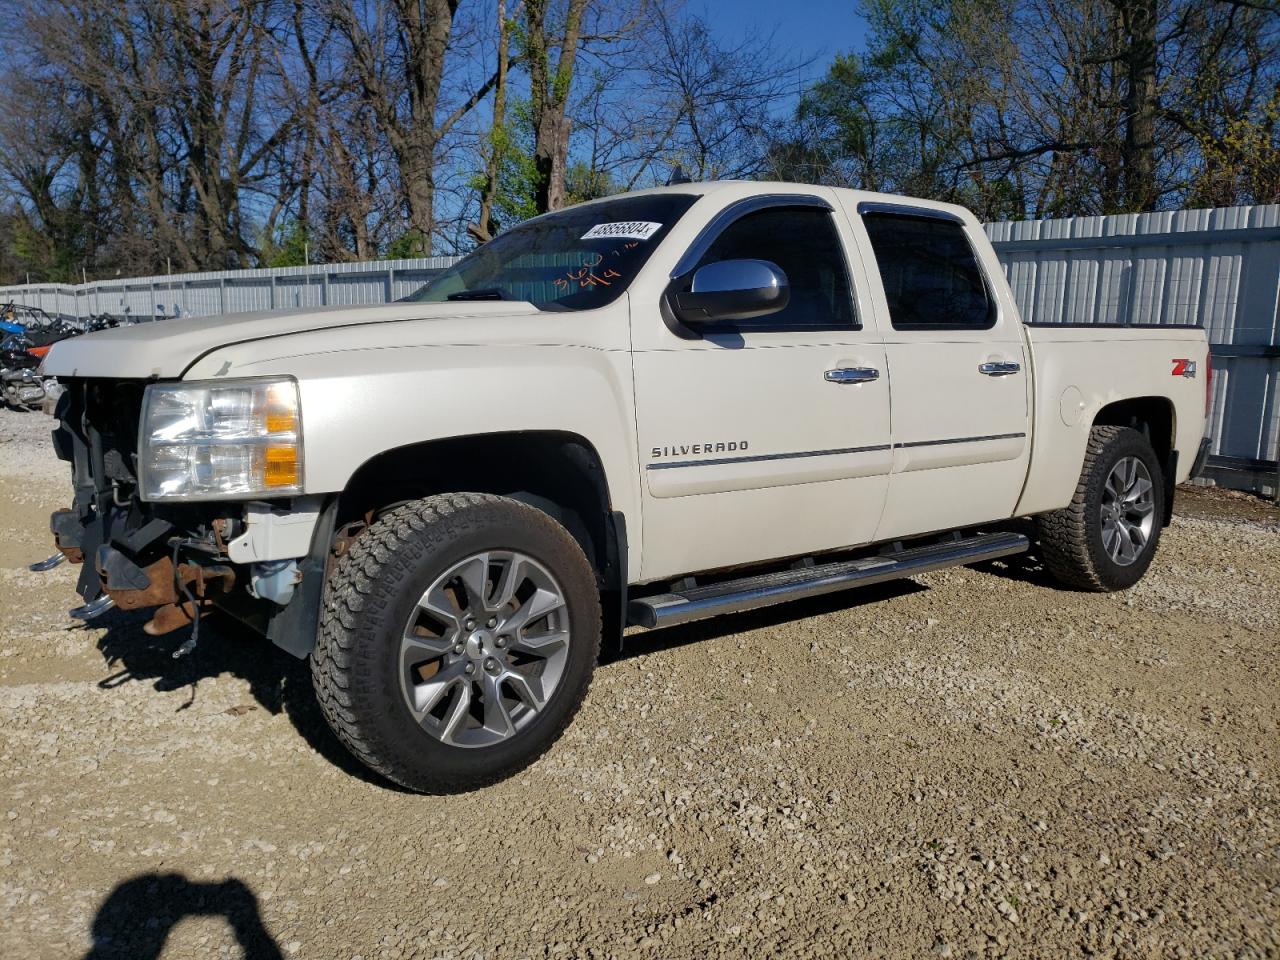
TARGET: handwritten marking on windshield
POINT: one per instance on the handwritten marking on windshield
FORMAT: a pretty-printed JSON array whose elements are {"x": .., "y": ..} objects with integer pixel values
[{"x": 587, "y": 275}]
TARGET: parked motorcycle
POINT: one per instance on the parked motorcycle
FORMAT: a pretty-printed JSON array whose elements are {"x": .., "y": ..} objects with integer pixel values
[
  {"x": 21, "y": 386},
  {"x": 28, "y": 334}
]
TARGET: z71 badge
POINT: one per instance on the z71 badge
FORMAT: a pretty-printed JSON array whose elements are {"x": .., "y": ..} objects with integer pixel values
[{"x": 1184, "y": 368}]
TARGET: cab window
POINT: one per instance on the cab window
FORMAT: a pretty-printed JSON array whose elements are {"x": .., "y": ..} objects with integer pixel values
[
  {"x": 931, "y": 276},
  {"x": 804, "y": 243}
]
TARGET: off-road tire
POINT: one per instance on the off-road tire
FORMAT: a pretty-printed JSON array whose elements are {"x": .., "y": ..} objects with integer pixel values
[
  {"x": 1071, "y": 538},
  {"x": 368, "y": 601}
]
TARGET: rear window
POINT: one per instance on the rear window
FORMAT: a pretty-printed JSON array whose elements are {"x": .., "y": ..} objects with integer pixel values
[{"x": 930, "y": 274}]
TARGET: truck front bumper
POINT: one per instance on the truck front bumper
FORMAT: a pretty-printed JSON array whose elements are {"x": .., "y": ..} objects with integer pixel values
[{"x": 265, "y": 562}]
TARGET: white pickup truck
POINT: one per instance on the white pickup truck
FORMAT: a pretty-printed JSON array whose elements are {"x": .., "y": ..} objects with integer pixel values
[{"x": 637, "y": 411}]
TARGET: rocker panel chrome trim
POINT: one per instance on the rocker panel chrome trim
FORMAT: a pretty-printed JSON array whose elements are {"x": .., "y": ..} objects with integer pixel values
[{"x": 751, "y": 593}]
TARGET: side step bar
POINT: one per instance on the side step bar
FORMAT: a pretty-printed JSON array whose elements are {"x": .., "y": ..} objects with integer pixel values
[{"x": 750, "y": 593}]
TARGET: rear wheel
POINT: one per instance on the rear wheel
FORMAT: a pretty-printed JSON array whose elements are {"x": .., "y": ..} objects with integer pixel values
[
  {"x": 1106, "y": 538},
  {"x": 459, "y": 635}
]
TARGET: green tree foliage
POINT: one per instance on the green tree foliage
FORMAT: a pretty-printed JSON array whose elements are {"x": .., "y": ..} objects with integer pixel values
[
  {"x": 290, "y": 248},
  {"x": 518, "y": 176},
  {"x": 1035, "y": 108}
]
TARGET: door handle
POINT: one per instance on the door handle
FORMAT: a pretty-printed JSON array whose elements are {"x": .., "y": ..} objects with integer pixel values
[
  {"x": 999, "y": 368},
  {"x": 852, "y": 375}
]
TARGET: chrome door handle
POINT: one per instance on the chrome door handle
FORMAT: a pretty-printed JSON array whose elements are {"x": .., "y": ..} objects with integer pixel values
[
  {"x": 999, "y": 368},
  {"x": 852, "y": 375}
]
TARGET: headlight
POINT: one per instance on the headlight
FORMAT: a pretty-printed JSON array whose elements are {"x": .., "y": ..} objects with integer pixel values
[{"x": 220, "y": 441}]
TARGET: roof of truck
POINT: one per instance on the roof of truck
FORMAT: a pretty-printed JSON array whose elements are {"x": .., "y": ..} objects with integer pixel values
[{"x": 748, "y": 187}]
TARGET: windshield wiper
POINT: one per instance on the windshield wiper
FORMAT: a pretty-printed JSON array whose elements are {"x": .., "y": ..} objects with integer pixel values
[{"x": 489, "y": 293}]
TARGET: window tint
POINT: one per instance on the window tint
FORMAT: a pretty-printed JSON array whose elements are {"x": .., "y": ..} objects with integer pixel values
[
  {"x": 930, "y": 274},
  {"x": 804, "y": 243}
]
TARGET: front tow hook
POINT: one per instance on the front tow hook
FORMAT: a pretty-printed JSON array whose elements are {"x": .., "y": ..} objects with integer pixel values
[
  {"x": 91, "y": 610},
  {"x": 48, "y": 563}
]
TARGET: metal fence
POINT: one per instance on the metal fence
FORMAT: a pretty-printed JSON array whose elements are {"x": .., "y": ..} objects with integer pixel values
[
  {"x": 1219, "y": 268},
  {"x": 232, "y": 291}
]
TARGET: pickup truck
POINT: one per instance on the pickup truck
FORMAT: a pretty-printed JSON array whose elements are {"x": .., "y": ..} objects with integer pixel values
[{"x": 631, "y": 413}]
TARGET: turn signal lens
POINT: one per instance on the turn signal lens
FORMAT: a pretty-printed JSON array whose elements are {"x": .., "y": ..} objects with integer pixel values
[
  {"x": 281, "y": 469},
  {"x": 282, "y": 408}
]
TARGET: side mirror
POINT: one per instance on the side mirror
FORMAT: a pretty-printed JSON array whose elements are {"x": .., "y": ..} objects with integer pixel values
[{"x": 733, "y": 290}]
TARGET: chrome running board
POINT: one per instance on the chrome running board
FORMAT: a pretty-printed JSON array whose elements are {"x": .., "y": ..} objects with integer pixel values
[
  {"x": 762, "y": 590},
  {"x": 48, "y": 563}
]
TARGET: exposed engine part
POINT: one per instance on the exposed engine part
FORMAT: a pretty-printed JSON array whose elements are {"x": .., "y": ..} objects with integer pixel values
[
  {"x": 207, "y": 579},
  {"x": 91, "y": 610},
  {"x": 272, "y": 533},
  {"x": 48, "y": 563},
  {"x": 221, "y": 528},
  {"x": 160, "y": 584},
  {"x": 348, "y": 533},
  {"x": 160, "y": 588},
  {"x": 188, "y": 644},
  {"x": 274, "y": 580},
  {"x": 190, "y": 608},
  {"x": 67, "y": 533},
  {"x": 117, "y": 572},
  {"x": 170, "y": 617}
]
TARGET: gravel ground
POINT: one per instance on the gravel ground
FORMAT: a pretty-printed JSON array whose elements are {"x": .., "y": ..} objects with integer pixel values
[{"x": 970, "y": 764}]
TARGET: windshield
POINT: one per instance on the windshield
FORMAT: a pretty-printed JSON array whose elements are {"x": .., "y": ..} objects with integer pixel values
[{"x": 576, "y": 259}]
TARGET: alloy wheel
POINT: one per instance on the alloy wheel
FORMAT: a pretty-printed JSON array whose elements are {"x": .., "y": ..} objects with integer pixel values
[
  {"x": 484, "y": 649},
  {"x": 1128, "y": 510}
]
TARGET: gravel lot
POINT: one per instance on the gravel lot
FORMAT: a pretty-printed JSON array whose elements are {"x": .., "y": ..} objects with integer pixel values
[{"x": 969, "y": 764}]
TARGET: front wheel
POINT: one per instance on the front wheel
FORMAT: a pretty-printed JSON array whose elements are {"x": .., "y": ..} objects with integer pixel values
[
  {"x": 1106, "y": 537},
  {"x": 458, "y": 638}
]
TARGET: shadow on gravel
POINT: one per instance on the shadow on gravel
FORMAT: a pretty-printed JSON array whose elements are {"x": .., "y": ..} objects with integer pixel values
[
  {"x": 1024, "y": 567},
  {"x": 135, "y": 920},
  {"x": 277, "y": 681}
]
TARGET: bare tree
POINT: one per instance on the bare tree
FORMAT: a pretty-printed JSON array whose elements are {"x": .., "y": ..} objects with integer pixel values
[
  {"x": 398, "y": 51},
  {"x": 550, "y": 55},
  {"x": 498, "y": 137},
  {"x": 719, "y": 98}
]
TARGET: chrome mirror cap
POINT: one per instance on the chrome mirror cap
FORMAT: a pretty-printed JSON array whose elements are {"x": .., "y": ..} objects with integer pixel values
[{"x": 734, "y": 290}]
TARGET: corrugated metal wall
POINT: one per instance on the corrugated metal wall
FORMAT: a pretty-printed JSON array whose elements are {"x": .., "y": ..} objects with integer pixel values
[
  {"x": 233, "y": 291},
  {"x": 1219, "y": 268}
]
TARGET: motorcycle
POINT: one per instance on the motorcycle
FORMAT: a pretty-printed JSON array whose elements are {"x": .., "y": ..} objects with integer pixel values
[
  {"x": 28, "y": 334},
  {"x": 21, "y": 386}
]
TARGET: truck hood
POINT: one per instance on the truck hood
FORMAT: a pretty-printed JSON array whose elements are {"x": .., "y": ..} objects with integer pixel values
[{"x": 167, "y": 348}]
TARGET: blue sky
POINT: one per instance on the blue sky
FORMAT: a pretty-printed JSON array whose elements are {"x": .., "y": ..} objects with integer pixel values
[{"x": 807, "y": 28}]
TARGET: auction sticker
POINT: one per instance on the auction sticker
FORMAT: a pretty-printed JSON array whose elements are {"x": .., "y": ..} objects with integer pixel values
[{"x": 623, "y": 229}]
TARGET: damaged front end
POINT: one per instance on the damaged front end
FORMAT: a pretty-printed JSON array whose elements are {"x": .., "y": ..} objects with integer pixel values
[{"x": 262, "y": 561}]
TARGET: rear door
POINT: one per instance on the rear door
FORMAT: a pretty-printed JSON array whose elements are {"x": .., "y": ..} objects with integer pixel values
[
  {"x": 958, "y": 369},
  {"x": 767, "y": 437}
]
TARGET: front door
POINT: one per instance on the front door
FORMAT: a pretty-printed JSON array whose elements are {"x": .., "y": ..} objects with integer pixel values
[{"x": 769, "y": 437}]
